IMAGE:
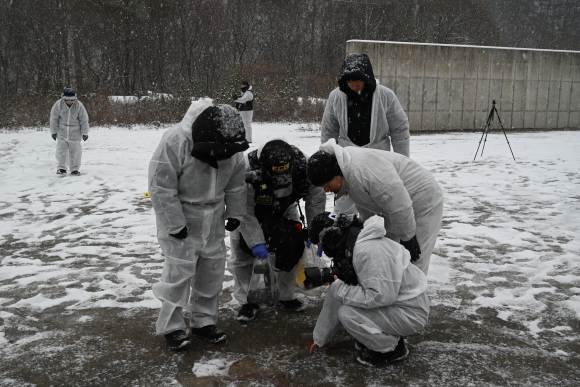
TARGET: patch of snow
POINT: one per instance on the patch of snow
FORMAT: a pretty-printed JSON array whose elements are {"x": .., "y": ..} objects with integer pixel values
[{"x": 213, "y": 367}]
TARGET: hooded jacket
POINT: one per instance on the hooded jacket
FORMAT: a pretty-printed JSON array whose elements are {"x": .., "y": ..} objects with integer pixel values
[
  {"x": 388, "y": 184},
  {"x": 388, "y": 122},
  {"x": 184, "y": 187},
  {"x": 69, "y": 122}
]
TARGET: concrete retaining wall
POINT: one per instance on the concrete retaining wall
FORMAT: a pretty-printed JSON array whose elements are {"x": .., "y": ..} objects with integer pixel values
[{"x": 451, "y": 87}]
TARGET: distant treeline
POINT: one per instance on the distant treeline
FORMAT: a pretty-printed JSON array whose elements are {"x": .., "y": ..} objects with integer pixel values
[{"x": 195, "y": 48}]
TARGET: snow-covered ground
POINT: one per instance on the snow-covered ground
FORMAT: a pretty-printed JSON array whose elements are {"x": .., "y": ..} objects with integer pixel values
[{"x": 509, "y": 247}]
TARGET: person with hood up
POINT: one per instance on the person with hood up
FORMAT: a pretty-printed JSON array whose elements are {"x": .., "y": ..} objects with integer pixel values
[
  {"x": 69, "y": 123},
  {"x": 361, "y": 112},
  {"x": 277, "y": 181},
  {"x": 196, "y": 183},
  {"x": 386, "y": 184},
  {"x": 385, "y": 301},
  {"x": 245, "y": 105}
]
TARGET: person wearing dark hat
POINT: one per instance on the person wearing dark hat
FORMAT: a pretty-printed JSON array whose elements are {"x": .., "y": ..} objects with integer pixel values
[
  {"x": 277, "y": 181},
  {"x": 361, "y": 112},
  {"x": 69, "y": 123},
  {"x": 196, "y": 184},
  {"x": 383, "y": 302},
  {"x": 387, "y": 184},
  {"x": 245, "y": 105}
]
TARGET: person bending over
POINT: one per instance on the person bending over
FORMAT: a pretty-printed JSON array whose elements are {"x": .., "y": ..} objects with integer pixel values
[
  {"x": 387, "y": 184},
  {"x": 196, "y": 183}
]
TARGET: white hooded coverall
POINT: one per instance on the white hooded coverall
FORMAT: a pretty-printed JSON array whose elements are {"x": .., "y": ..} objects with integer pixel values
[
  {"x": 389, "y": 300},
  {"x": 398, "y": 189},
  {"x": 188, "y": 192},
  {"x": 70, "y": 124}
]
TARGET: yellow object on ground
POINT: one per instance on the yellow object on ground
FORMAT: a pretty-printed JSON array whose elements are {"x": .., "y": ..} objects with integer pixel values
[
  {"x": 300, "y": 277},
  {"x": 146, "y": 194}
]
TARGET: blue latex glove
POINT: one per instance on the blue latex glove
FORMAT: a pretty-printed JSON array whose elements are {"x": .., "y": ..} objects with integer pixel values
[
  {"x": 319, "y": 251},
  {"x": 260, "y": 251},
  {"x": 308, "y": 243}
]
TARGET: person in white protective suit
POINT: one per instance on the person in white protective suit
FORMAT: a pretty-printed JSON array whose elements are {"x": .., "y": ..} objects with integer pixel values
[
  {"x": 69, "y": 123},
  {"x": 361, "y": 112},
  {"x": 196, "y": 183},
  {"x": 387, "y": 184},
  {"x": 383, "y": 302},
  {"x": 277, "y": 181},
  {"x": 245, "y": 105}
]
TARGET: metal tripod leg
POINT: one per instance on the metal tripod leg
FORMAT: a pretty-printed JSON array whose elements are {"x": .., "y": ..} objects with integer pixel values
[
  {"x": 487, "y": 125},
  {"x": 485, "y": 139},
  {"x": 508, "y": 141}
]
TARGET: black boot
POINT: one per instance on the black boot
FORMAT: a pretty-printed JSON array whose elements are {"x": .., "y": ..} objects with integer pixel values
[
  {"x": 248, "y": 312},
  {"x": 360, "y": 346},
  {"x": 369, "y": 357},
  {"x": 292, "y": 305},
  {"x": 177, "y": 339},
  {"x": 209, "y": 333}
]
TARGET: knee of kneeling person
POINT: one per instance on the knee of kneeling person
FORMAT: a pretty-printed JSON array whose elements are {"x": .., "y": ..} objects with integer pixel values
[{"x": 343, "y": 313}]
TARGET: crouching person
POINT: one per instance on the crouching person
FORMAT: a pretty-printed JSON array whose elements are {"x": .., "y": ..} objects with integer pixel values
[
  {"x": 277, "y": 181},
  {"x": 380, "y": 299},
  {"x": 196, "y": 183}
]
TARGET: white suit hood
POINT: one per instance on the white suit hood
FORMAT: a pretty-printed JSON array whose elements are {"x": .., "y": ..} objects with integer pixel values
[{"x": 192, "y": 113}]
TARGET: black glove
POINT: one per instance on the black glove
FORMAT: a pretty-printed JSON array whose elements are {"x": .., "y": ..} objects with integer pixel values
[
  {"x": 232, "y": 224},
  {"x": 234, "y": 97},
  {"x": 53, "y": 136},
  {"x": 413, "y": 246},
  {"x": 305, "y": 234},
  {"x": 181, "y": 234},
  {"x": 85, "y": 137}
]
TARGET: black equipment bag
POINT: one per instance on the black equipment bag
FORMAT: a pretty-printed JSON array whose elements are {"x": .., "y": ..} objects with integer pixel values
[{"x": 283, "y": 238}]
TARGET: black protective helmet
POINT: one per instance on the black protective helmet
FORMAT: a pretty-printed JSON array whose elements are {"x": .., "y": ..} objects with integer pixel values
[{"x": 277, "y": 159}]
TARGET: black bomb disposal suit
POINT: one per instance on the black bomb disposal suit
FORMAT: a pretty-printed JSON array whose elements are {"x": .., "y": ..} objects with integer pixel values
[{"x": 272, "y": 217}]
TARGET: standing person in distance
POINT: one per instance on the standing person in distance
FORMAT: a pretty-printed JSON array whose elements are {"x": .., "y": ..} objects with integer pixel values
[
  {"x": 69, "y": 123},
  {"x": 277, "y": 181},
  {"x": 196, "y": 183},
  {"x": 245, "y": 105}
]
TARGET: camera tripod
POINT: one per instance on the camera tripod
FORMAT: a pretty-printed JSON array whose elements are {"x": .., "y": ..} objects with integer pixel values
[{"x": 488, "y": 127}]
